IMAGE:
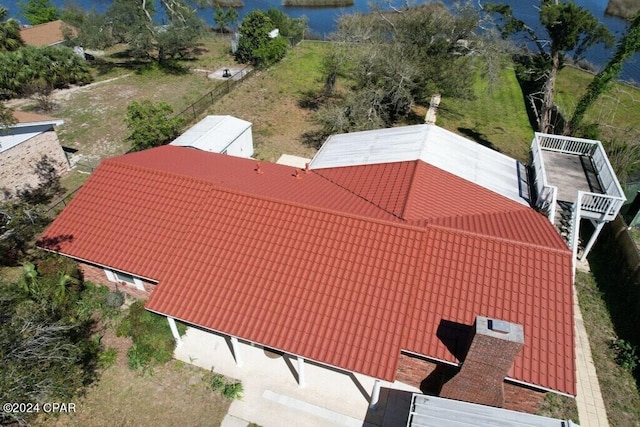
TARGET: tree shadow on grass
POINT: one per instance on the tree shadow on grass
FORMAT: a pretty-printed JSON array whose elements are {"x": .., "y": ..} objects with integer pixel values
[
  {"x": 313, "y": 138},
  {"x": 477, "y": 137},
  {"x": 620, "y": 291}
]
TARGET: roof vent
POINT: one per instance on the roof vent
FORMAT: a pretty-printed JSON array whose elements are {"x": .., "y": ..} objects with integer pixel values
[
  {"x": 297, "y": 175},
  {"x": 258, "y": 169},
  {"x": 306, "y": 167},
  {"x": 499, "y": 326}
]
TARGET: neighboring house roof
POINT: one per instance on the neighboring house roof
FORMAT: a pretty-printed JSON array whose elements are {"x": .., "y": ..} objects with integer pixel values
[
  {"x": 431, "y": 144},
  {"x": 27, "y": 126},
  {"x": 46, "y": 34},
  {"x": 25, "y": 118},
  {"x": 213, "y": 133},
  {"x": 324, "y": 264}
]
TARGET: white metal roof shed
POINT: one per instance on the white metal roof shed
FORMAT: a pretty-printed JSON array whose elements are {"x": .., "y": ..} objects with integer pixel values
[
  {"x": 431, "y": 144},
  {"x": 213, "y": 133}
]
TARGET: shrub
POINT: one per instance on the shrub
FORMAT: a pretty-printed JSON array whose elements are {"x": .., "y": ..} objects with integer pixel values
[
  {"x": 217, "y": 382},
  {"x": 625, "y": 354},
  {"x": 114, "y": 299},
  {"x": 229, "y": 390},
  {"x": 108, "y": 358},
  {"x": 233, "y": 391},
  {"x": 152, "y": 338},
  {"x": 151, "y": 124}
]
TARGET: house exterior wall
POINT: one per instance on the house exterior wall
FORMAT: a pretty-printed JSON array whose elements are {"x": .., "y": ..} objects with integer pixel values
[
  {"x": 414, "y": 371},
  {"x": 242, "y": 146},
  {"x": 17, "y": 163},
  {"x": 98, "y": 275}
]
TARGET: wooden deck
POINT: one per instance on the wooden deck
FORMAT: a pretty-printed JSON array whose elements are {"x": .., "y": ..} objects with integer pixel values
[{"x": 570, "y": 173}]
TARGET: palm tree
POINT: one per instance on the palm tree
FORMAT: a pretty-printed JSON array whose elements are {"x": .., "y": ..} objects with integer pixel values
[{"x": 10, "y": 39}]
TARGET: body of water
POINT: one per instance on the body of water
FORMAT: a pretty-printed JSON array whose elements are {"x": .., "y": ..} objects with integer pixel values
[{"x": 322, "y": 21}]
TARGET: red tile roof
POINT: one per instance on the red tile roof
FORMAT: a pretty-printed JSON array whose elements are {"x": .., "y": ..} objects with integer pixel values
[
  {"x": 328, "y": 266},
  {"x": 45, "y": 34}
]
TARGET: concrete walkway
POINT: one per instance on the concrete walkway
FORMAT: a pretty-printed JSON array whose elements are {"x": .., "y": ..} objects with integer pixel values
[
  {"x": 591, "y": 408},
  {"x": 272, "y": 396}
]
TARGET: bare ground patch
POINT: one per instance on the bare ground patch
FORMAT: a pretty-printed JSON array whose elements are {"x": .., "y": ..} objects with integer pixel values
[{"x": 173, "y": 395}]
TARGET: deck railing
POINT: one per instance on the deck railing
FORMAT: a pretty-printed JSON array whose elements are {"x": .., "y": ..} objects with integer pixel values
[
  {"x": 547, "y": 195},
  {"x": 610, "y": 184},
  {"x": 567, "y": 145},
  {"x": 606, "y": 205}
]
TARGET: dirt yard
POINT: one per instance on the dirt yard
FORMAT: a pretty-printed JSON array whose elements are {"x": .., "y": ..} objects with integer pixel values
[
  {"x": 174, "y": 395},
  {"x": 94, "y": 115}
]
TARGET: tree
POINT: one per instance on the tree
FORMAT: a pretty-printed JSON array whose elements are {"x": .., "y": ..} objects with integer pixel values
[
  {"x": 397, "y": 59},
  {"x": 39, "y": 11},
  {"x": 22, "y": 218},
  {"x": 131, "y": 23},
  {"x": 46, "y": 348},
  {"x": 6, "y": 117},
  {"x": 176, "y": 39},
  {"x": 256, "y": 46},
  {"x": 627, "y": 46},
  {"x": 151, "y": 125},
  {"x": 19, "y": 223},
  {"x": 288, "y": 27},
  {"x": 225, "y": 18},
  {"x": 569, "y": 28},
  {"x": 32, "y": 69},
  {"x": 94, "y": 29},
  {"x": 10, "y": 39}
]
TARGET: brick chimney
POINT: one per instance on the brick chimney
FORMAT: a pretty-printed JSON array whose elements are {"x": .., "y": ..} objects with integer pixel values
[{"x": 493, "y": 349}]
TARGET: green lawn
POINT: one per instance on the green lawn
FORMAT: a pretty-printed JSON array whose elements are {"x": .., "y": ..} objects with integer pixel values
[
  {"x": 616, "y": 111},
  {"x": 496, "y": 117}
]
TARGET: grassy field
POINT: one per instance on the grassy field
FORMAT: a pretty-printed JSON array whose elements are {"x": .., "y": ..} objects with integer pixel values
[
  {"x": 270, "y": 100},
  {"x": 496, "y": 117},
  {"x": 617, "y": 384},
  {"x": 616, "y": 111}
]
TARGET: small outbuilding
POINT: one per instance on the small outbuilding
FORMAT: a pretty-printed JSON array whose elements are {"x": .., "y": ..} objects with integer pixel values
[{"x": 219, "y": 134}]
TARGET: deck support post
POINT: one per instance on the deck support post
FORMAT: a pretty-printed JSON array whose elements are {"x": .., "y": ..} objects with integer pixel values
[
  {"x": 375, "y": 395},
  {"x": 301, "y": 378},
  {"x": 592, "y": 240},
  {"x": 236, "y": 351},
  {"x": 174, "y": 330}
]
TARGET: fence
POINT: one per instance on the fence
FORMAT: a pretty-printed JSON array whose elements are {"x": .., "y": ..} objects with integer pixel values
[
  {"x": 193, "y": 111},
  {"x": 56, "y": 207},
  {"x": 615, "y": 262}
]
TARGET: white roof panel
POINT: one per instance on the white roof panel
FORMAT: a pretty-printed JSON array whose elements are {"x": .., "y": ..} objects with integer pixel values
[
  {"x": 10, "y": 137},
  {"x": 430, "y": 411},
  {"x": 431, "y": 144},
  {"x": 213, "y": 133}
]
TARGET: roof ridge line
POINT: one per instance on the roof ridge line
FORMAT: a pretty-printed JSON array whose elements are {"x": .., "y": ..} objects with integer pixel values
[
  {"x": 496, "y": 238},
  {"x": 356, "y": 194},
  {"x": 409, "y": 190},
  {"x": 401, "y": 223}
]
